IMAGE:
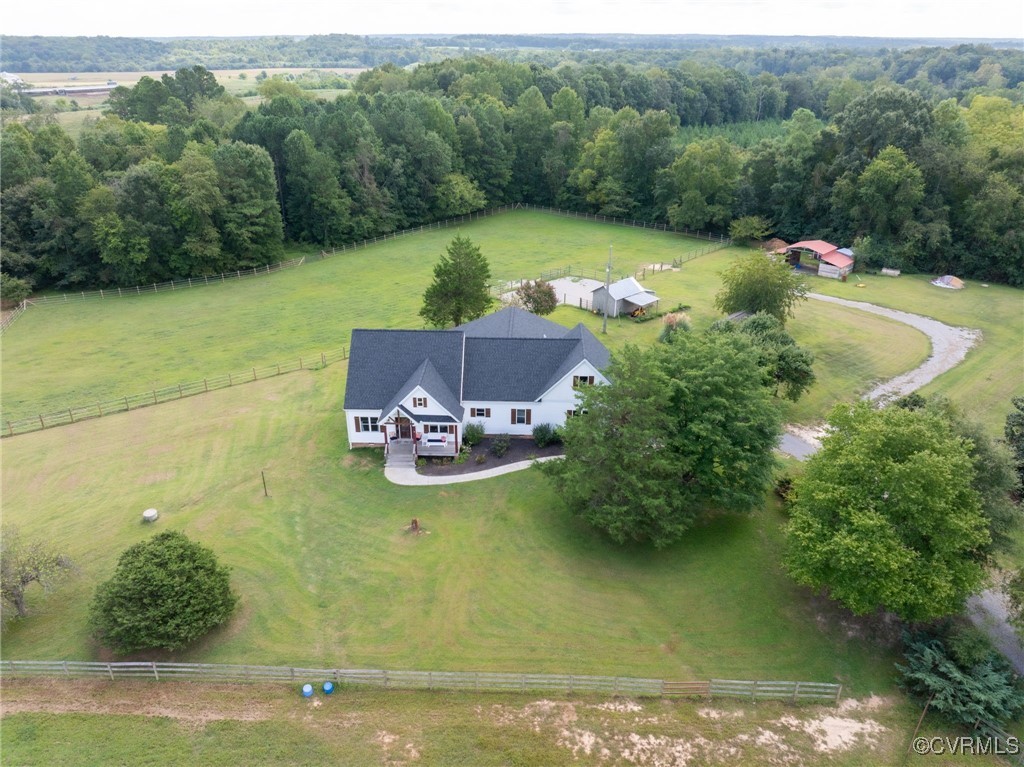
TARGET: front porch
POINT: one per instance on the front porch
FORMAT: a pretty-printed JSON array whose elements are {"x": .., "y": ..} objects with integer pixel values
[{"x": 405, "y": 451}]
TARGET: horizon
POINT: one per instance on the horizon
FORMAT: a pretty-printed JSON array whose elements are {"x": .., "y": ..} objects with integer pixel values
[{"x": 869, "y": 19}]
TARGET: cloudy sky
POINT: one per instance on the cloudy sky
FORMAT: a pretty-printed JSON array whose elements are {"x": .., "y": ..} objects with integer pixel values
[{"x": 871, "y": 18}]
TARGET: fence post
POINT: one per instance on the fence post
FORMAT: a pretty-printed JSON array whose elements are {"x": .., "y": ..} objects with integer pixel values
[
  {"x": 206, "y": 386},
  {"x": 111, "y": 672},
  {"x": 154, "y": 396},
  {"x": 254, "y": 374},
  {"x": 323, "y": 359},
  {"x": 839, "y": 693},
  {"x": 230, "y": 383},
  {"x": 155, "y": 675},
  {"x": 385, "y": 679},
  {"x": 753, "y": 691},
  {"x": 300, "y": 363},
  {"x": 10, "y": 428},
  {"x": 99, "y": 407},
  {"x": 796, "y": 690},
  {"x": 42, "y": 425},
  {"x": 71, "y": 415},
  {"x": 126, "y": 405},
  {"x": 180, "y": 395}
]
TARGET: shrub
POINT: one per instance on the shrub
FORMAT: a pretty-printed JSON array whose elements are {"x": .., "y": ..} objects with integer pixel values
[
  {"x": 13, "y": 290},
  {"x": 481, "y": 457},
  {"x": 545, "y": 434},
  {"x": 463, "y": 454},
  {"x": 979, "y": 684},
  {"x": 473, "y": 434},
  {"x": 166, "y": 592},
  {"x": 500, "y": 445}
]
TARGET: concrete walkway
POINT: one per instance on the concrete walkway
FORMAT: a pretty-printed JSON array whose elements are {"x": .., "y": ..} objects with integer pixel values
[{"x": 407, "y": 475}]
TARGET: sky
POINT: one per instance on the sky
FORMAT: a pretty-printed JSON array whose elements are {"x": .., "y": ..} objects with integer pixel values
[{"x": 232, "y": 18}]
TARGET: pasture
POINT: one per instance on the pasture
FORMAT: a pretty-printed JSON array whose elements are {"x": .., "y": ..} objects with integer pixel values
[
  {"x": 89, "y": 351},
  {"x": 506, "y": 579}
]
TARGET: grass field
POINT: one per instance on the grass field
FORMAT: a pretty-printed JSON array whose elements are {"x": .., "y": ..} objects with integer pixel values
[
  {"x": 507, "y": 579},
  {"x": 169, "y": 724},
  {"x": 56, "y": 356}
]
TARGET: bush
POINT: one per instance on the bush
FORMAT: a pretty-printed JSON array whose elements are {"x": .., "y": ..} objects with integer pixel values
[
  {"x": 473, "y": 434},
  {"x": 165, "y": 593},
  {"x": 500, "y": 445},
  {"x": 545, "y": 434},
  {"x": 13, "y": 290},
  {"x": 964, "y": 680}
]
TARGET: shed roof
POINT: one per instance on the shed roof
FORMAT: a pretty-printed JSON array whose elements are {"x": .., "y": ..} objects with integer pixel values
[
  {"x": 818, "y": 246},
  {"x": 627, "y": 287},
  {"x": 836, "y": 258}
]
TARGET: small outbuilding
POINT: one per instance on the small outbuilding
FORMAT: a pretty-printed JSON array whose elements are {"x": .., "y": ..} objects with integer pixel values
[
  {"x": 832, "y": 261},
  {"x": 626, "y": 296}
]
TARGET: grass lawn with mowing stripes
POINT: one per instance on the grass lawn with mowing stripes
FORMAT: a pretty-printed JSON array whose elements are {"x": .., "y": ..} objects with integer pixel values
[{"x": 506, "y": 579}]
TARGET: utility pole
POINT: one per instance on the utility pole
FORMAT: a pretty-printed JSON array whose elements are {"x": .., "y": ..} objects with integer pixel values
[{"x": 607, "y": 295}]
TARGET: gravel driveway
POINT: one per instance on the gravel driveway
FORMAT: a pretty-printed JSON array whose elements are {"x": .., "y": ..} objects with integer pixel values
[{"x": 950, "y": 345}]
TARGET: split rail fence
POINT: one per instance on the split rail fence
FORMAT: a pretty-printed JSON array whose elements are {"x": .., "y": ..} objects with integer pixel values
[
  {"x": 123, "y": 404},
  {"x": 570, "y": 684}
]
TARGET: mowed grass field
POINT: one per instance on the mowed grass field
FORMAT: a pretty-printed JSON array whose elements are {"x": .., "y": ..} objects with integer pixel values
[
  {"x": 505, "y": 579},
  {"x": 90, "y": 351}
]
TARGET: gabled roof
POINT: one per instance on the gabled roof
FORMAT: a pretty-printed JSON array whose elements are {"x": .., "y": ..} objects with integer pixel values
[
  {"x": 625, "y": 288},
  {"x": 512, "y": 322},
  {"x": 836, "y": 258},
  {"x": 509, "y": 356},
  {"x": 818, "y": 246},
  {"x": 513, "y": 369},
  {"x": 382, "y": 362},
  {"x": 427, "y": 378}
]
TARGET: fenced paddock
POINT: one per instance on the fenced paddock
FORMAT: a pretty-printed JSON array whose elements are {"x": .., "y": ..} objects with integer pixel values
[
  {"x": 568, "y": 684},
  {"x": 124, "y": 403}
]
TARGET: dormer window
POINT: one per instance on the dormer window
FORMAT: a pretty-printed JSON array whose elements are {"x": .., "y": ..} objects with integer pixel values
[
  {"x": 419, "y": 401},
  {"x": 578, "y": 381}
]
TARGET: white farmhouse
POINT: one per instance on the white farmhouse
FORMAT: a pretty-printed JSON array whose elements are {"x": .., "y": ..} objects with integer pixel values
[{"x": 417, "y": 389}]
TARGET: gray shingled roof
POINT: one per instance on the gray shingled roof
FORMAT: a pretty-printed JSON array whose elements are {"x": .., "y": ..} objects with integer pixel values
[
  {"x": 509, "y": 356},
  {"x": 513, "y": 369},
  {"x": 426, "y": 377},
  {"x": 512, "y": 322},
  {"x": 383, "y": 361}
]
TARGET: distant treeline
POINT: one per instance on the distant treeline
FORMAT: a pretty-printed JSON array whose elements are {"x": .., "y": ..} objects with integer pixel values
[{"x": 181, "y": 179}]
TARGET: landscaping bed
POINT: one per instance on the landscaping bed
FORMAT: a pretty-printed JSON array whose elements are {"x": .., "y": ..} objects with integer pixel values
[{"x": 518, "y": 450}]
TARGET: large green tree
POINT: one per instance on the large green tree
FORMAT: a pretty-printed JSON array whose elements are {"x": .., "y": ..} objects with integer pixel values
[
  {"x": 885, "y": 515},
  {"x": 460, "y": 290},
  {"x": 788, "y": 368},
  {"x": 761, "y": 283},
  {"x": 166, "y": 592},
  {"x": 684, "y": 429}
]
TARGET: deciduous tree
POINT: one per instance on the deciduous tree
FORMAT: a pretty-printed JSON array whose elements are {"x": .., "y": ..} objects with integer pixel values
[
  {"x": 684, "y": 428},
  {"x": 459, "y": 292},
  {"x": 885, "y": 515},
  {"x": 22, "y": 563},
  {"x": 537, "y": 296},
  {"x": 761, "y": 283}
]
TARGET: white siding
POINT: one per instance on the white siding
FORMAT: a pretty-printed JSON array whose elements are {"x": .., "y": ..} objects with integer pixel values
[{"x": 362, "y": 438}]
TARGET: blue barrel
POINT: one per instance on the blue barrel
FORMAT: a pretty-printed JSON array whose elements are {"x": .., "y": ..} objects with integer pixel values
[
  {"x": 328, "y": 688},
  {"x": 307, "y": 691}
]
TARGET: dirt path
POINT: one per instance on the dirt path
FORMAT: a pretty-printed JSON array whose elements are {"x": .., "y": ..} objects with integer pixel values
[
  {"x": 987, "y": 610},
  {"x": 949, "y": 347}
]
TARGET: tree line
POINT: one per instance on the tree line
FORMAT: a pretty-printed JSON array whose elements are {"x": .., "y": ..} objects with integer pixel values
[{"x": 179, "y": 179}]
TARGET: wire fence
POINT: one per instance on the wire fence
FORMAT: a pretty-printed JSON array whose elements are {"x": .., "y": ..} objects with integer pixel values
[
  {"x": 8, "y": 320},
  {"x": 122, "y": 404},
  {"x": 159, "y": 287},
  {"x": 482, "y": 681}
]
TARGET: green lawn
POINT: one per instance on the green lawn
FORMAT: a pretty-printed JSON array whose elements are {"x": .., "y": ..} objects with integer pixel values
[
  {"x": 506, "y": 579},
  {"x": 81, "y": 353},
  {"x": 169, "y": 724}
]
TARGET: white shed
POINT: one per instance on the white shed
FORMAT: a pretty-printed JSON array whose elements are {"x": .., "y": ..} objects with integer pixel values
[{"x": 623, "y": 297}]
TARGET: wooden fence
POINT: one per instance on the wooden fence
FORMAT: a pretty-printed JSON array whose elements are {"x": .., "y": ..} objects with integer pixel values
[
  {"x": 1002, "y": 743},
  {"x": 123, "y": 404},
  {"x": 796, "y": 692}
]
